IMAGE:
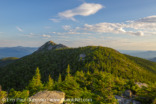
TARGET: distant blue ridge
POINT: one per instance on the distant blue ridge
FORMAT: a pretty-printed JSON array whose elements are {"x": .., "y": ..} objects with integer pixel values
[{"x": 18, "y": 51}]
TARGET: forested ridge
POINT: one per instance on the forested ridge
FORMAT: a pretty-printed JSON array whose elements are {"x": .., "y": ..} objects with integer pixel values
[
  {"x": 102, "y": 73},
  {"x": 6, "y": 61}
]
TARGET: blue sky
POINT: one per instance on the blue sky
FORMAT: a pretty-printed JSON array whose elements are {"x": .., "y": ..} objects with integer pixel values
[{"x": 120, "y": 24}]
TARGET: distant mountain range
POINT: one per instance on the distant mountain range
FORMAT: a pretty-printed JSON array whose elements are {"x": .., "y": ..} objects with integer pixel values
[
  {"x": 153, "y": 59},
  {"x": 20, "y": 51},
  {"x": 142, "y": 54},
  {"x": 16, "y": 51}
]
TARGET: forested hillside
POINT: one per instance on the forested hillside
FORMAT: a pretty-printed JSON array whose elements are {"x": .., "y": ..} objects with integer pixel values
[
  {"x": 90, "y": 67},
  {"x": 6, "y": 61}
]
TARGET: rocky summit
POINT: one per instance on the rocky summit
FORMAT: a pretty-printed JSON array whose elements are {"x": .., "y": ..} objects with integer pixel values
[{"x": 50, "y": 45}]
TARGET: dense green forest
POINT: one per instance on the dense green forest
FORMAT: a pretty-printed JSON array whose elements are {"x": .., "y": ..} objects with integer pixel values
[
  {"x": 5, "y": 61},
  {"x": 102, "y": 73},
  {"x": 99, "y": 86}
]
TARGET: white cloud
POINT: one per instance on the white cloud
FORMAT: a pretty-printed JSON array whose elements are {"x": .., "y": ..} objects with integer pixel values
[
  {"x": 71, "y": 33},
  {"x": 53, "y": 32},
  {"x": 146, "y": 23},
  {"x": 66, "y": 27},
  {"x": 139, "y": 33},
  {"x": 140, "y": 27},
  {"x": 46, "y": 36},
  {"x": 30, "y": 35},
  {"x": 104, "y": 27},
  {"x": 85, "y": 9},
  {"x": 55, "y": 20},
  {"x": 149, "y": 19},
  {"x": 19, "y": 29},
  {"x": 115, "y": 28}
]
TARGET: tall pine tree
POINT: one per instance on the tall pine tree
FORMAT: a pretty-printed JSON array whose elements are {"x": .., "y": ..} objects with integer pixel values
[
  {"x": 50, "y": 84},
  {"x": 35, "y": 84},
  {"x": 3, "y": 95},
  {"x": 70, "y": 86},
  {"x": 59, "y": 78},
  {"x": 68, "y": 72}
]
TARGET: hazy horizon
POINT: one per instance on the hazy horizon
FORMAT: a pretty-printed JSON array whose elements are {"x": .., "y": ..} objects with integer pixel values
[
  {"x": 121, "y": 50},
  {"x": 122, "y": 25}
]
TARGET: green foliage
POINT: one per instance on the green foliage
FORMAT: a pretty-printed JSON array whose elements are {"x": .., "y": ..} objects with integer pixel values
[
  {"x": 102, "y": 74},
  {"x": 154, "y": 101},
  {"x": 3, "y": 96},
  {"x": 19, "y": 97},
  {"x": 68, "y": 70},
  {"x": 119, "y": 85},
  {"x": 70, "y": 86},
  {"x": 68, "y": 76},
  {"x": 86, "y": 93},
  {"x": 9, "y": 58},
  {"x": 35, "y": 84},
  {"x": 146, "y": 64},
  {"x": 81, "y": 78},
  {"x": 6, "y": 61},
  {"x": 147, "y": 93},
  {"x": 99, "y": 86},
  {"x": 102, "y": 84},
  {"x": 54, "y": 62},
  {"x": 59, "y": 78},
  {"x": 50, "y": 84}
]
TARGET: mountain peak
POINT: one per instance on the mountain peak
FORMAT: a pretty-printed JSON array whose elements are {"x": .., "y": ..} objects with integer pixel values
[
  {"x": 50, "y": 42},
  {"x": 50, "y": 45}
]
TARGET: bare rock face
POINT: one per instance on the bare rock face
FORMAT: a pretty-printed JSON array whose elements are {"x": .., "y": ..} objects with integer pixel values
[
  {"x": 128, "y": 93},
  {"x": 47, "y": 97},
  {"x": 141, "y": 84},
  {"x": 50, "y": 45},
  {"x": 127, "y": 98},
  {"x": 122, "y": 100},
  {"x": 82, "y": 57}
]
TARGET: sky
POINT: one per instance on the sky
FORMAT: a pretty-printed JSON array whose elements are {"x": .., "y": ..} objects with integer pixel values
[{"x": 119, "y": 24}]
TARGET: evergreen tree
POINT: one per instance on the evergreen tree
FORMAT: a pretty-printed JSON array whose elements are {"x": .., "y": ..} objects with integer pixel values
[
  {"x": 3, "y": 95},
  {"x": 58, "y": 83},
  {"x": 81, "y": 78},
  {"x": 35, "y": 84},
  {"x": 70, "y": 86},
  {"x": 50, "y": 84},
  {"x": 68, "y": 71},
  {"x": 59, "y": 78},
  {"x": 101, "y": 85},
  {"x": 17, "y": 95}
]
